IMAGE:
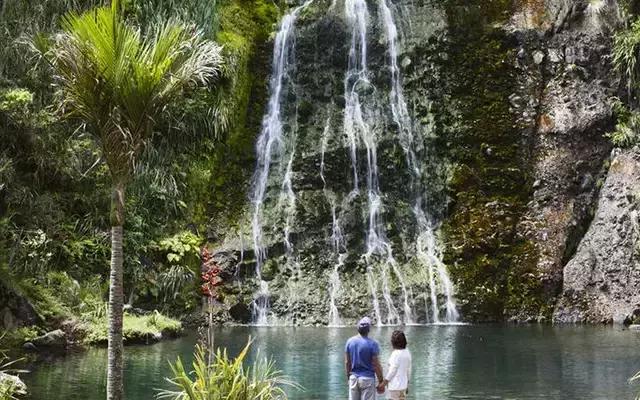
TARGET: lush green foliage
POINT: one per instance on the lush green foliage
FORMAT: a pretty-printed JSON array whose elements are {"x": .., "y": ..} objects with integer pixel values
[
  {"x": 627, "y": 131},
  {"x": 226, "y": 378},
  {"x": 626, "y": 44},
  {"x": 54, "y": 185},
  {"x": 118, "y": 82},
  {"x": 137, "y": 329},
  {"x": 10, "y": 385}
]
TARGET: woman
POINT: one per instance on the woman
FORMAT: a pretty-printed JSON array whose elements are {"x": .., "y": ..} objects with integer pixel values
[{"x": 397, "y": 379}]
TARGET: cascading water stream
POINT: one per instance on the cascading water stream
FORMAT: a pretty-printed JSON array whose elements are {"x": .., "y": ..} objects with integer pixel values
[
  {"x": 361, "y": 127},
  {"x": 337, "y": 243},
  {"x": 429, "y": 255},
  {"x": 288, "y": 204},
  {"x": 357, "y": 131},
  {"x": 269, "y": 149},
  {"x": 427, "y": 250},
  {"x": 337, "y": 240}
]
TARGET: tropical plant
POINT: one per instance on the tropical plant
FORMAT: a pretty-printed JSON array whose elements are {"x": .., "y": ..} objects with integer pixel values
[
  {"x": 118, "y": 83},
  {"x": 150, "y": 12},
  {"x": 633, "y": 379},
  {"x": 627, "y": 130},
  {"x": 174, "y": 280},
  {"x": 626, "y": 44},
  {"x": 10, "y": 385},
  {"x": 182, "y": 254},
  {"x": 226, "y": 379}
]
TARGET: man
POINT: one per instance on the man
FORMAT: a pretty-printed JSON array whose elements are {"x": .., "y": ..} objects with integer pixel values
[{"x": 362, "y": 364}]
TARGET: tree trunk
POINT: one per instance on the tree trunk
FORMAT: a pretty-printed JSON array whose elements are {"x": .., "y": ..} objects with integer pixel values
[{"x": 115, "y": 385}]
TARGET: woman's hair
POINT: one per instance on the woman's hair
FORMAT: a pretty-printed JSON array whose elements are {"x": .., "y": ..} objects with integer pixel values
[{"x": 398, "y": 340}]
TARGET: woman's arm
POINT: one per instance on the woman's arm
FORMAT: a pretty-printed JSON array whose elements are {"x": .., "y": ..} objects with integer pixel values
[{"x": 393, "y": 368}]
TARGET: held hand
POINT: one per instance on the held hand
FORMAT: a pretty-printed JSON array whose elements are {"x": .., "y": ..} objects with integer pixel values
[{"x": 380, "y": 388}]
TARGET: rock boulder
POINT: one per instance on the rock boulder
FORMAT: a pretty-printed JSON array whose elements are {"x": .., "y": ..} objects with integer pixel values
[{"x": 602, "y": 280}]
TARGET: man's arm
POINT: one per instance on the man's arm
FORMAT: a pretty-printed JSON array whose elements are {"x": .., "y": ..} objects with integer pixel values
[
  {"x": 347, "y": 364},
  {"x": 377, "y": 368}
]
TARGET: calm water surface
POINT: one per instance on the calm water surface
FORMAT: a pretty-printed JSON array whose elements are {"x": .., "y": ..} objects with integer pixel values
[{"x": 450, "y": 362}]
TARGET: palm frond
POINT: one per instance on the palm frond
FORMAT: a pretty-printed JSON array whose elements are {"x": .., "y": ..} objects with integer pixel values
[{"x": 120, "y": 82}]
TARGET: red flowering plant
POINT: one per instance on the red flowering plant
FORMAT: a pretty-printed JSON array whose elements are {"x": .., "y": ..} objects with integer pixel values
[
  {"x": 211, "y": 280},
  {"x": 210, "y": 274}
]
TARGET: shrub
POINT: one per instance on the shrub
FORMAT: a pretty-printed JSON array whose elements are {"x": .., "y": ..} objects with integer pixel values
[
  {"x": 225, "y": 378},
  {"x": 627, "y": 128}
]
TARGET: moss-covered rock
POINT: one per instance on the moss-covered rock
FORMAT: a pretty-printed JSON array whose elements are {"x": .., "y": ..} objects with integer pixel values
[
  {"x": 143, "y": 329},
  {"x": 245, "y": 28}
]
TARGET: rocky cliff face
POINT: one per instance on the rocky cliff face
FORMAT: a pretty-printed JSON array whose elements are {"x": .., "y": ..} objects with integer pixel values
[
  {"x": 507, "y": 102},
  {"x": 567, "y": 143},
  {"x": 602, "y": 280}
]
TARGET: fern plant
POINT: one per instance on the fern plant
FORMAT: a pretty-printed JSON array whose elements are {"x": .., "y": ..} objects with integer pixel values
[{"x": 226, "y": 378}]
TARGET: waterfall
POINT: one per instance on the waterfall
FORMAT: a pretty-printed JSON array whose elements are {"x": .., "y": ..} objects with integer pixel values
[
  {"x": 390, "y": 283},
  {"x": 396, "y": 95},
  {"x": 269, "y": 149},
  {"x": 429, "y": 255},
  {"x": 338, "y": 245},
  {"x": 379, "y": 254},
  {"x": 339, "y": 251},
  {"x": 288, "y": 203},
  {"x": 427, "y": 250}
]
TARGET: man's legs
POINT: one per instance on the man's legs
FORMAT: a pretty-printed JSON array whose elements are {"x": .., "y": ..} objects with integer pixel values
[
  {"x": 354, "y": 390},
  {"x": 367, "y": 388}
]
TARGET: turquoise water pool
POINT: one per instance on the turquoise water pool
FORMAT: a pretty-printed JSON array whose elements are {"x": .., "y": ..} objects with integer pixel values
[{"x": 450, "y": 362}]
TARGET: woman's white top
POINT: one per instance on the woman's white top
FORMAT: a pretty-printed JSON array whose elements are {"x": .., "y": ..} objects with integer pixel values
[{"x": 399, "y": 370}]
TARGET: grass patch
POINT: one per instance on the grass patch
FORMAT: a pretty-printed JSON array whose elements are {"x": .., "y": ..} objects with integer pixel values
[{"x": 137, "y": 329}]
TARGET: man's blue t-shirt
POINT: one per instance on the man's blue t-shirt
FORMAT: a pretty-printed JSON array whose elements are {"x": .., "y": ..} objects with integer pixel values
[{"x": 361, "y": 351}]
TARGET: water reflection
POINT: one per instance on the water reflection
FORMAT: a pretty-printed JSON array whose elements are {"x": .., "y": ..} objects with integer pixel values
[
  {"x": 450, "y": 362},
  {"x": 544, "y": 362}
]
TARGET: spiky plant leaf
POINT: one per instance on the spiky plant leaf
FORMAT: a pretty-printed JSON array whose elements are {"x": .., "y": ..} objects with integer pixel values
[{"x": 120, "y": 82}]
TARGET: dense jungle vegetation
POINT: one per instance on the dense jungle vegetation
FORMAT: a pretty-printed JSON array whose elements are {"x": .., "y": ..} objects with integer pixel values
[{"x": 55, "y": 186}]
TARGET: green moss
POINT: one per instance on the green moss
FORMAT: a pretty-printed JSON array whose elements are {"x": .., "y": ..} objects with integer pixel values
[
  {"x": 45, "y": 302},
  {"x": 136, "y": 329},
  {"x": 493, "y": 266},
  {"x": 218, "y": 188}
]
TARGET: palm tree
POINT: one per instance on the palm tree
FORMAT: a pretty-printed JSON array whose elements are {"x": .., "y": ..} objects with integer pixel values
[{"x": 118, "y": 82}]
